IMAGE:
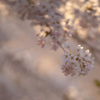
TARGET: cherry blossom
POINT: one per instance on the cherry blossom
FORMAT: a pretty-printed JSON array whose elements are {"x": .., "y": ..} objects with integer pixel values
[
  {"x": 79, "y": 63},
  {"x": 57, "y": 29}
]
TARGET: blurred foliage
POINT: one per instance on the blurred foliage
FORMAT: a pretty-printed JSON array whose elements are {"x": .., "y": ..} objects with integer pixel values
[{"x": 97, "y": 83}]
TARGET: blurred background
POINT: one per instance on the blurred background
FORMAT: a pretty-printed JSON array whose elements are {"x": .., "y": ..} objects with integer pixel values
[{"x": 28, "y": 72}]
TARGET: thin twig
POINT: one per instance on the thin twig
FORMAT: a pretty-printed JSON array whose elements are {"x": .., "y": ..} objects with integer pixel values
[{"x": 61, "y": 47}]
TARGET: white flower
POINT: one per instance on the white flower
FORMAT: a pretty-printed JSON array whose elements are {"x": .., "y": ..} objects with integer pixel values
[
  {"x": 67, "y": 45},
  {"x": 87, "y": 53},
  {"x": 79, "y": 48},
  {"x": 66, "y": 57},
  {"x": 79, "y": 51},
  {"x": 79, "y": 55},
  {"x": 73, "y": 57}
]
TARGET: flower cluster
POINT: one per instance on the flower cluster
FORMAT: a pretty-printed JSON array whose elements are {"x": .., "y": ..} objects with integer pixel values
[
  {"x": 47, "y": 15},
  {"x": 80, "y": 63},
  {"x": 57, "y": 28}
]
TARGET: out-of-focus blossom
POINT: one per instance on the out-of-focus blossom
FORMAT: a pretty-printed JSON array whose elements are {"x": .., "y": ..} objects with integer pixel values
[
  {"x": 46, "y": 14},
  {"x": 41, "y": 41}
]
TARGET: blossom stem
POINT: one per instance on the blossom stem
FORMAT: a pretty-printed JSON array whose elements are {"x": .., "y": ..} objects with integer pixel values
[
  {"x": 61, "y": 46},
  {"x": 58, "y": 41},
  {"x": 70, "y": 51}
]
